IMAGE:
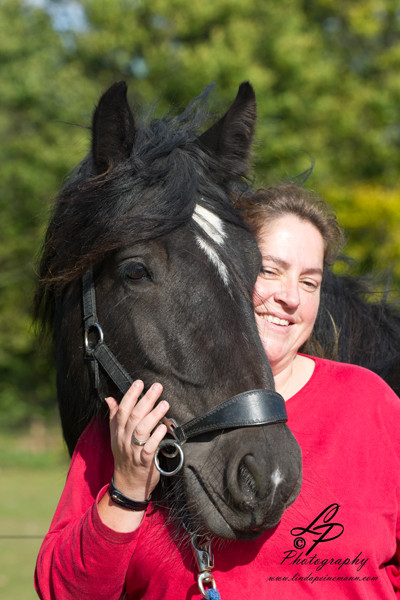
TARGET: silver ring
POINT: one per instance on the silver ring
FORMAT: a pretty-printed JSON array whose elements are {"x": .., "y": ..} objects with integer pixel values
[{"x": 138, "y": 442}]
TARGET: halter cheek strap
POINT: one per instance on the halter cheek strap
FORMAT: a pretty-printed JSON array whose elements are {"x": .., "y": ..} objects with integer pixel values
[{"x": 97, "y": 352}]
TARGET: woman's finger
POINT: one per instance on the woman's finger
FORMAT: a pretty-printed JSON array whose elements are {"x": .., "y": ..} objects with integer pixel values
[
  {"x": 143, "y": 428},
  {"x": 147, "y": 402},
  {"x": 153, "y": 442},
  {"x": 122, "y": 414},
  {"x": 112, "y": 406},
  {"x": 129, "y": 402}
]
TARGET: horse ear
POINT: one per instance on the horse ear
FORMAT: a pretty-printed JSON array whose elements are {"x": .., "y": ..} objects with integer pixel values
[
  {"x": 113, "y": 129},
  {"x": 232, "y": 136}
]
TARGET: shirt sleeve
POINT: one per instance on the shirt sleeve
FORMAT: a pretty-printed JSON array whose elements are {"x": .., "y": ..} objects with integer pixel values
[{"x": 80, "y": 556}]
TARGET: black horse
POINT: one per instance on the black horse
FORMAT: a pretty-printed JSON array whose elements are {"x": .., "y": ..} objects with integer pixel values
[{"x": 151, "y": 211}]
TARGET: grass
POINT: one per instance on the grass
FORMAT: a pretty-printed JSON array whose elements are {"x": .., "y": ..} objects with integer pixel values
[{"x": 33, "y": 467}]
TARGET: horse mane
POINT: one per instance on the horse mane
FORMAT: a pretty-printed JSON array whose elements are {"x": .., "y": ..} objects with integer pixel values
[
  {"x": 151, "y": 193},
  {"x": 353, "y": 326}
]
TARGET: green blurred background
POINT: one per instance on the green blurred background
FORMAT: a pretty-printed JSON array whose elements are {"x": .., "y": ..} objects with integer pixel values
[{"x": 327, "y": 79}]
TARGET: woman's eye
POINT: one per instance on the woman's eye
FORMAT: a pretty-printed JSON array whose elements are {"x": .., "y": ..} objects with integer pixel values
[
  {"x": 136, "y": 272},
  {"x": 311, "y": 285},
  {"x": 267, "y": 272}
]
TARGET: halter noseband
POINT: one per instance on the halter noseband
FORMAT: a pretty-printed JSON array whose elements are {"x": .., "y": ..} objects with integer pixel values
[{"x": 255, "y": 407}]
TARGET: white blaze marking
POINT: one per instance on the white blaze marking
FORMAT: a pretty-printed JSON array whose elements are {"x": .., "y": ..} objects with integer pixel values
[
  {"x": 213, "y": 226},
  {"x": 211, "y": 223}
]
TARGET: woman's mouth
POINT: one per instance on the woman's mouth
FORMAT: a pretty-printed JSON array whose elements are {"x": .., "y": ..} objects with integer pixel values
[{"x": 272, "y": 319}]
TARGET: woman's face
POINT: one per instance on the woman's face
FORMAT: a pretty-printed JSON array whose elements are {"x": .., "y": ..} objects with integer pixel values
[{"x": 287, "y": 291}]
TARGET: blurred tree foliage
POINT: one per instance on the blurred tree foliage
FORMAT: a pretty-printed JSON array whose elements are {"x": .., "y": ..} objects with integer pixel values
[{"x": 327, "y": 79}]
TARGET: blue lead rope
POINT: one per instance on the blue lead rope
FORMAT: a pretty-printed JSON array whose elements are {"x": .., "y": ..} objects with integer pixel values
[{"x": 213, "y": 595}]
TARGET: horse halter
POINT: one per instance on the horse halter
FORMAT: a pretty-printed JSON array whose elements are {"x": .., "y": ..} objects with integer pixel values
[{"x": 254, "y": 407}]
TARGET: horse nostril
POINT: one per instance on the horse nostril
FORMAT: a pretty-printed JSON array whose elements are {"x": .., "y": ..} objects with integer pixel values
[
  {"x": 246, "y": 478},
  {"x": 246, "y": 483}
]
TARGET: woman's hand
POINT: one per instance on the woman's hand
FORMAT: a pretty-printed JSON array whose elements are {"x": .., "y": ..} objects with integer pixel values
[{"x": 135, "y": 474}]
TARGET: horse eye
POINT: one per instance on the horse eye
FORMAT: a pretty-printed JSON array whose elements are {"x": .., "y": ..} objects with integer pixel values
[{"x": 136, "y": 272}]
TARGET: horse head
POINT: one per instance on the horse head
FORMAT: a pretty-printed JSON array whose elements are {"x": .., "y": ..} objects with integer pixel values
[{"x": 151, "y": 211}]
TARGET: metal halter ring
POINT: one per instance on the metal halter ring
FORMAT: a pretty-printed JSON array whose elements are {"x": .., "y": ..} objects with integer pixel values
[
  {"x": 164, "y": 444},
  {"x": 100, "y": 336}
]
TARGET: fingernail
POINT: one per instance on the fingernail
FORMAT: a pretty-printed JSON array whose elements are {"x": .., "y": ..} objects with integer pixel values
[
  {"x": 157, "y": 387},
  {"x": 137, "y": 383}
]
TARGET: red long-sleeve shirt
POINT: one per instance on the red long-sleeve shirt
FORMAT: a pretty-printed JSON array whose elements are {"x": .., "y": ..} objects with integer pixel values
[{"x": 340, "y": 539}]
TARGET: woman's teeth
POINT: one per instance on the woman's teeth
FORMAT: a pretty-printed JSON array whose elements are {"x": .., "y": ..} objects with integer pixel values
[{"x": 275, "y": 320}]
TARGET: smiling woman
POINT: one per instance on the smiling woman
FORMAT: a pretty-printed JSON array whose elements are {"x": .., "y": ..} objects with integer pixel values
[
  {"x": 297, "y": 236},
  {"x": 287, "y": 292}
]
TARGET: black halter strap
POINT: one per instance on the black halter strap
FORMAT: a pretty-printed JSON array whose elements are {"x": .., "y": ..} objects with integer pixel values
[
  {"x": 97, "y": 352},
  {"x": 255, "y": 407}
]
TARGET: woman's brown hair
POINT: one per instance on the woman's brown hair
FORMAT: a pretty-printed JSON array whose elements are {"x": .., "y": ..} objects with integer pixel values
[{"x": 267, "y": 204}]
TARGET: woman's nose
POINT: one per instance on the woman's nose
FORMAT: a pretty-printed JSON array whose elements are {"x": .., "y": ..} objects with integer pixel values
[{"x": 288, "y": 294}]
